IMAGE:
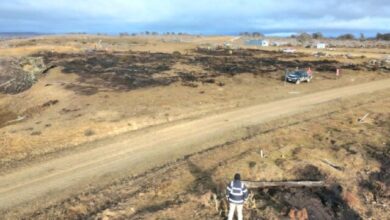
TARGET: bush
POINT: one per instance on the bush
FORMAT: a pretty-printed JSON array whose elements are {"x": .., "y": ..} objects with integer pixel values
[
  {"x": 89, "y": 132},
  {"x": 303, "y": 37},
  {"x": 176, "y": 54},
  {"x": 124, "y": 34},
  {"x": 317, "y": 35},
  {"x": 385, "y": 36},
  {"x": 346, "y": 37},
  {"x": 257, "y": 34}
]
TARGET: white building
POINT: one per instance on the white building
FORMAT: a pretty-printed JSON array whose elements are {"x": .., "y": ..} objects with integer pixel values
[
  {"x": 264, "y": 43},
  {"x": 321, "y": 45},
  {"x": 258, "y": 42}
]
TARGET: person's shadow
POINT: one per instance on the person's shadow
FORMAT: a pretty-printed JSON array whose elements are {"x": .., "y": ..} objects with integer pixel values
[{"x": 204, "y": 183}]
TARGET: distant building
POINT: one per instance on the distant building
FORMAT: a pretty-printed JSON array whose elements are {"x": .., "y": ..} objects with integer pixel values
[
  {"x": 278, "y": 44},
  {"x": 258, "y": 42},
  {"x": 321, "y": 45},
  {"x": 264, "y": 43}
]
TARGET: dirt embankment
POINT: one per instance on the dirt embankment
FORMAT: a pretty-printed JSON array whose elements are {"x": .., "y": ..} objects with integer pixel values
[{"x": 19, "y": 74}]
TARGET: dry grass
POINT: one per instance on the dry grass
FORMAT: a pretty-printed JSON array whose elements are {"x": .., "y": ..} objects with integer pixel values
[{"x": 186, "y": 189}]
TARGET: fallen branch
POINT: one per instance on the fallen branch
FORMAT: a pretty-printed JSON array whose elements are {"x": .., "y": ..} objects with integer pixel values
[
  {"x": 337, "y": 167},
  {"x": 8, "y": 82},
  {"x": 290, "y": 184},
  {"x": 20, "y": 118}
]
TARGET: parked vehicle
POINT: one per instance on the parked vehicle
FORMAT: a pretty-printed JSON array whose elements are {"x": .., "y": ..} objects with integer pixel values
[
  {"x": 288, "y": 50},
  {"x": 298, "y": 76}
]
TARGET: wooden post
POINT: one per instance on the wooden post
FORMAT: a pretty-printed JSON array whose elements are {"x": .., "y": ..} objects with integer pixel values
[{"x": 361, "y": 120}]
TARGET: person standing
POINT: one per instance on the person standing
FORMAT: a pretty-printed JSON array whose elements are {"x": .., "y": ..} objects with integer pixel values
[
  {"x": 309, "y": 72},
  {"x": 236, "y": 193}
]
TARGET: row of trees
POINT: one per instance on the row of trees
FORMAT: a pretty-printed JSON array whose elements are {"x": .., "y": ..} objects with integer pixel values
[
  {"x": 301, "y": 37},
  {"x": 348, "y": 36},
  {"x": 318, "y": 35},
  {"x": 252, "y": 34},
  {"x": 385, "y": 36},
  {"x": 153, "y": 33}
]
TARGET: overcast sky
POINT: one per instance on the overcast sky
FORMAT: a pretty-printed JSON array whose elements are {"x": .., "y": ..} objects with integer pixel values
[{"x": 195, "y": 16}]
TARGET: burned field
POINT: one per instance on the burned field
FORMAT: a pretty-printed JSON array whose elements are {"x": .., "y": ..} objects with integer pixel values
[
  {"x": 259, "y": 62},
  {"x": 130, "y": 70},
  {"x": 118, "y": 71}
]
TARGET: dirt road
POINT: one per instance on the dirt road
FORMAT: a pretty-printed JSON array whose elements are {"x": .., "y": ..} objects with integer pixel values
[{"x": 138, "y": 152}]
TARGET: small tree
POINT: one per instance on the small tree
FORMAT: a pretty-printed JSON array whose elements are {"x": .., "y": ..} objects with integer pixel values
[
  {"x": 257, "y": 34},
  {"x": 317, "y": 35},
  {"x": 123, "y": 34},
  {"x": 303, "y": 38},
  {"x": 362, "y": 37}
]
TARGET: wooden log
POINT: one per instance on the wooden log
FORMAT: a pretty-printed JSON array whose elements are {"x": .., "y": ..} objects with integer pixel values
[{"x": 288, "y": 184}]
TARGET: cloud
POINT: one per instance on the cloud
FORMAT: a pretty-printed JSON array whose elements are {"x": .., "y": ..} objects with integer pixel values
[{"x": 218, "y": 16}]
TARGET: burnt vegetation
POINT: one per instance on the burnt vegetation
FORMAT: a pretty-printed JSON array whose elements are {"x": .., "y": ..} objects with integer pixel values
[
  {"x": 249, "y": 61},
  {"x": 320, "y": 203},
  {"x": 99, "y": 70},
  {"x": 121, "y": 71}
]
